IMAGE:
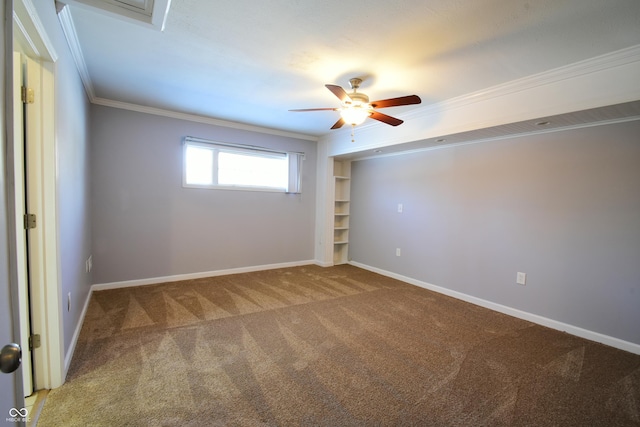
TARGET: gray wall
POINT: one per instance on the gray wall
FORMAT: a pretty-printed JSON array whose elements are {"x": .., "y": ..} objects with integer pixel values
[
  {"x": 562, "y": 207},
  {"x": 146, "y": 225},
  {"x": 73, "y": 198}
]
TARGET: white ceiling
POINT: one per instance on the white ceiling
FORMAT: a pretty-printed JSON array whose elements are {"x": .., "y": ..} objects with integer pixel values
[{"x": 249, "y": 62}]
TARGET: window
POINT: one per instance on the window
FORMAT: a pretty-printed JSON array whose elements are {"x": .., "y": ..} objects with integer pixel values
[{"x": 209, "y": 164}]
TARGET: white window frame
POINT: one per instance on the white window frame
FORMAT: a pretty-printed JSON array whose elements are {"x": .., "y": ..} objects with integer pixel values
[{"x": 294, "y": 161}]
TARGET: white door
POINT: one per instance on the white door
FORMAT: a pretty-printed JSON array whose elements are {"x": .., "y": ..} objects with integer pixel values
[{"x": 20, "y": 81}]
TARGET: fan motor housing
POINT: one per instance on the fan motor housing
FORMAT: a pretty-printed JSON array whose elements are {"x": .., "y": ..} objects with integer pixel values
[{"x": 358, "y": 97}]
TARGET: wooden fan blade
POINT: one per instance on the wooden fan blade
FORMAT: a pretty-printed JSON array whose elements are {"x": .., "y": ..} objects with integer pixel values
[
  {"x": 396, "y": 102},
  {"x": 315, "y": 109},
  {"x": 376, "y": 115},
  {"x": 339, "y": 92},
  {"x": 338, "y": 124}
]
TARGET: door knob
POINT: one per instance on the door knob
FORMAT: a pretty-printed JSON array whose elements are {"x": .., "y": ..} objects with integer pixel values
[{"x": 10, "y": 358}]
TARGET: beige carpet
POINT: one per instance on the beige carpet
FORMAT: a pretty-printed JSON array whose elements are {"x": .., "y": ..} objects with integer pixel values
[{"x": 338, "y": 346}]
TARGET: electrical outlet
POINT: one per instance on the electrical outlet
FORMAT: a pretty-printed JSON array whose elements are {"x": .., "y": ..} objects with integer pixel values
[
  {"x": 521, "y": 278},
  {"x": 397, "y": 251}
]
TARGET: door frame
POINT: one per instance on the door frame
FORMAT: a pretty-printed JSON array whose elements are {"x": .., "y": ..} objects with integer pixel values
[{"x": 31, "y": 40}]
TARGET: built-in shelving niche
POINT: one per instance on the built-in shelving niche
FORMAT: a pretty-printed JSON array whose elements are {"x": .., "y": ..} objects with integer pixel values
[{"x": 341, "y": 211}]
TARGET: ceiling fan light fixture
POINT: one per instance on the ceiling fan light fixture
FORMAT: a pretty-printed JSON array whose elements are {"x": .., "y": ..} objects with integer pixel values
[
  {"x": 356, "y": 107},
  {"x": 355, "y": 114}
]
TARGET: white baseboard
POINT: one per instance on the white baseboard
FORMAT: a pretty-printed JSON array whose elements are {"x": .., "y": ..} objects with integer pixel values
[
  {"x": 323, "y": 264},
  {"x": 190, "y": 276},
  {"x": 534, "y": 318},
  {"x": 554, "y": 324},
  {"x": 76, "y": 335}
]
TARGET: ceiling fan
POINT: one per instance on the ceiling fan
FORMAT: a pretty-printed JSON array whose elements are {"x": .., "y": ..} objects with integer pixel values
[{"x": 356, "y": 106}]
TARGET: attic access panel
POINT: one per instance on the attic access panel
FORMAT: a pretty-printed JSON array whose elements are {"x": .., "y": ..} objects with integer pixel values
[{"x": 152, "y": 12}]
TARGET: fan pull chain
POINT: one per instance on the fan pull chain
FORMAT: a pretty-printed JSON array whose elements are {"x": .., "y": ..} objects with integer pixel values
[{"x": 353, "y": 129}]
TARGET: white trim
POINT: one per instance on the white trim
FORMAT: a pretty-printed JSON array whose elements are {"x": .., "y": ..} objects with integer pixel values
[
  {"x": 166, "y": 279},
  {"x": 571, "y": 71},
  {"x": 152, "y": 15},
  {"x": 241, "y": 147},
  {"x": 69, "y": 30},
  {"x": 51, "y": 322},
  {"x": 323, "y": 235},
  {"x": 70, "y": 34},
  {"x": 31, "y": 28},
  {"x": 499, "y": 138},
  {"x": 623, "y": 60},
  {"x": 600, "y": 81},
  {"x": 219, "y": 148},
  {"x": 47, "y": 319},
  {"x": 200, "y": 119},
  {"x": 76, "y": 334},
  {"x": 540, "y": 320},
  {"x": 191, "y": 276},
  {"x": 160, "y": 13},
  {"x": 323, "y": 263}
]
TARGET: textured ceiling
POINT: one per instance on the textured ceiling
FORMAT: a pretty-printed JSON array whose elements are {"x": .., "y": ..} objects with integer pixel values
[{"x": 250, "y": 62}]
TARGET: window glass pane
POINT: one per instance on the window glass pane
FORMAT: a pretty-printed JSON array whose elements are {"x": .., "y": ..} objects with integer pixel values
[
  {"x": 252, "y": 170},
  {"x": 199, "y": 165}
]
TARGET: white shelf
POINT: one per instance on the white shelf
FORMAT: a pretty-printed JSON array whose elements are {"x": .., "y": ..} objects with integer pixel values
[{"x": 342, "y": 199}]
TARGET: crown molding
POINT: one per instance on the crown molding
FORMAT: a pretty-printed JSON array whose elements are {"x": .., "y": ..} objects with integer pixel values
[
  {"x": 69, "y": 30},
  {"x": 200, "y": 119},
  {"x": 567, "y": 72},
  {"x": 600, "y": 81},
  {"x": 574, "y": 70},
  {"x": 493, "y": 98},
  {"x": 27, "y": 21}
]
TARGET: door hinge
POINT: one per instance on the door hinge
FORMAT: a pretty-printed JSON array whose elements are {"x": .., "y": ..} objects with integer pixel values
[
  {"x": 28, "y": 96},
  {"x": 29, "y": 221},
  {"x": 34, "y": 341}
]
